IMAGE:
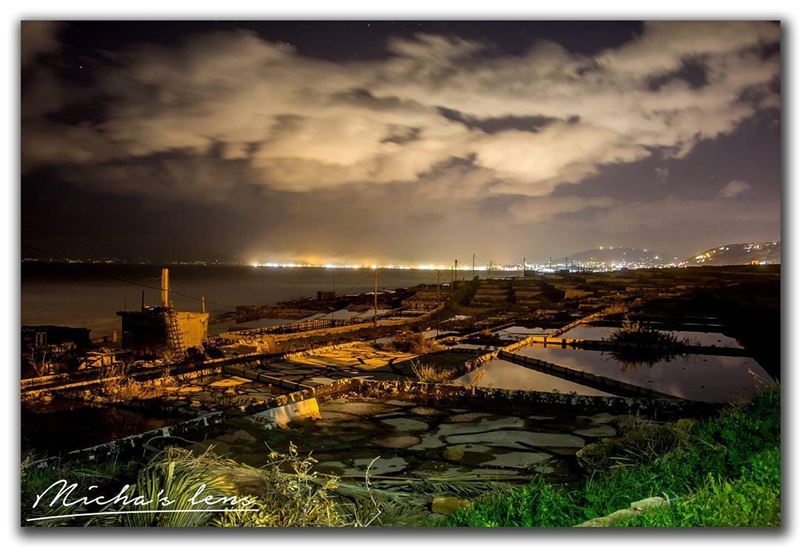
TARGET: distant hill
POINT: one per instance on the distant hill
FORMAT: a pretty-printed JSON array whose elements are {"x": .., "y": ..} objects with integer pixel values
[
  {"x": 617, "y": 256},
  {"x": 733, "y": 254}
]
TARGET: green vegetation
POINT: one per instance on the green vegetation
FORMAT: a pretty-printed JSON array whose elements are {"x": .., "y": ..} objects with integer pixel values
[
  {"x": 408, "y": 341},
  {"x": 428, "y": 373},
  {"x": 639, "y": 344},
  {"x": 284, "y": 493},
  {"x": 750, "y": 500},
  {"x": 635, "y": 333},
  {"x": 724, "y": 471}
]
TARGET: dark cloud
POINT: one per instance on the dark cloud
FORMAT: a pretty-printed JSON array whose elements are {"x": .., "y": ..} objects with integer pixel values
[
  {"x": 402, "y": 135},
  {"x": 404, "y": 142},
  {"x": 693, "y": 72},
  {"x": 531, "y": 124}
]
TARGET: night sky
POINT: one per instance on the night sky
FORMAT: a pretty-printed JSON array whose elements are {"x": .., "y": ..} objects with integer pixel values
[{"x": 397, "y": 141}]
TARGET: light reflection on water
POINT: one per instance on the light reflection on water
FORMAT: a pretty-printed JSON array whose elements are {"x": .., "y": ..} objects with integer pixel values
[
  {"x": 692, "y": 337},
  {"x": 711, "y": 378},
  {"x": 506, "y": 375}
]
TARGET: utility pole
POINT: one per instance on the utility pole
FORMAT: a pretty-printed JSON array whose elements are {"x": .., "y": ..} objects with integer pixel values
[
  {"x": 438, "y": 285},
  {"x": 523, "y": 266},
  {"x": 473, "y": 265},
  {"x": 375, "y": 305},
  {"x": 489, "y": 269}
]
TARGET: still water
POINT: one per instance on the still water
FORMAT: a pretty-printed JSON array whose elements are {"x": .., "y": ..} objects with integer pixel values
[
  {"x": 89, "y": 295},
  {"x": 502, "y": 374},
  {"x": 711, "y": 378},
  {"x": 696, "y": 338}
]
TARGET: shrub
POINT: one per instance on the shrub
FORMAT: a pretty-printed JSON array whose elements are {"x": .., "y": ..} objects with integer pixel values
[
  {"x": 639, "y": 344},
  {"x": 430, "y": 374},
  {"x": 413, "y": 342}
]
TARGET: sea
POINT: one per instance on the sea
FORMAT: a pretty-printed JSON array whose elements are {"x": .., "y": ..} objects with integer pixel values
[{"x": 89, "y": 295}]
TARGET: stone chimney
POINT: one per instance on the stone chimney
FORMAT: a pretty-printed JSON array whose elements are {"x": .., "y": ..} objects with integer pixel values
[{"x": 165, "y": 287}]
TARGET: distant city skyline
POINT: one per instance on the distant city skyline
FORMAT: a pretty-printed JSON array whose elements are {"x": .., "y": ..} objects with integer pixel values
[{"x": 397, "y": 142}]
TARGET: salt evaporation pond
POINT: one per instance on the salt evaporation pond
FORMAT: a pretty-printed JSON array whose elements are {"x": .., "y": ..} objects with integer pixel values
[
  {"x": 501, "y": 374},
  {"x": 515, "y": 333},
  {"x": 414, "y": 440},
  {"x": 61, "y": 426},
  {"x": 710, "y": 378},
  {"x": 696, "y": 338}
]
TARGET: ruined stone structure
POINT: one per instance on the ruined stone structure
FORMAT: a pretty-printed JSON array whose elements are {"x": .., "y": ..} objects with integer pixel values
[
  {"x": 425, "y": 299},
  {"x": 492, "y": 292},
  {"x": 162, "y": 330}
]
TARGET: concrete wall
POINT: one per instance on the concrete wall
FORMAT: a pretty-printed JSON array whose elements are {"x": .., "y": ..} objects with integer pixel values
[{"x": 194, "y": 327}]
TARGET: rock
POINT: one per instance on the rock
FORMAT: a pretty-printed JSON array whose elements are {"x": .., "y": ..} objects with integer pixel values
[
  {"x": 379, "y": 466},
  {"x": 599, "y": 522},
  {"x": 635, "y": 509},
  {"x": 406, "y": 424},
  {"x": 333, "y": 416},
  {"x": 429, "y": 442},
  {"x": 482, "y": 426},
  {"x": 453, "y": 453},
  {"x": 519, "y": 439},
  {"x": 398, "y": 441},
  {"x": 398, "y": 402},
  {"x": 649, "y": 503},
  {"x": 468, "y": 417},
  {"x": 425, "y": 411},
  {"x": 359, "y": 408},
  {"x": 517, "y": 460},
  {"x": 446, "y": 505},
  {"x": 621, "y": 514},
  {"x": 590, "y": 455},
  {"x": 602, "y": 418},
  {"x": 597, "y": 431}
]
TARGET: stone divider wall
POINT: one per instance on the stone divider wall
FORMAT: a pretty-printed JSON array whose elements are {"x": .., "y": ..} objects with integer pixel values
[
  {"x": 243, "y": 334},
  {"x": 133, "y": 445},
  {"x": 323, "y": 349},
  {"x": 581, "y": 377},
  {"x": 428, "y": 393},
  {"x": 437, "y": 394},
  {"x": 263, "y": 377},
  {"x": 433, "y": 394}
]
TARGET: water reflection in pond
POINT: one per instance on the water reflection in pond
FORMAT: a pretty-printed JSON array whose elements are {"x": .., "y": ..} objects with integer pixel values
[
  {"x": 516, "y": 332},
  {"x": 711, "y": 378},
  {"x": 697, "y": 338},
  {"x": 506, "y": 375},
  {"x": 413, "y": 439},
  {"x": 66, "y": 425}
]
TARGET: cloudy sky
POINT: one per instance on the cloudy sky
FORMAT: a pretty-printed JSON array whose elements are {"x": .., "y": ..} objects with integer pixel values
[{"x": 398, "y": 141}]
